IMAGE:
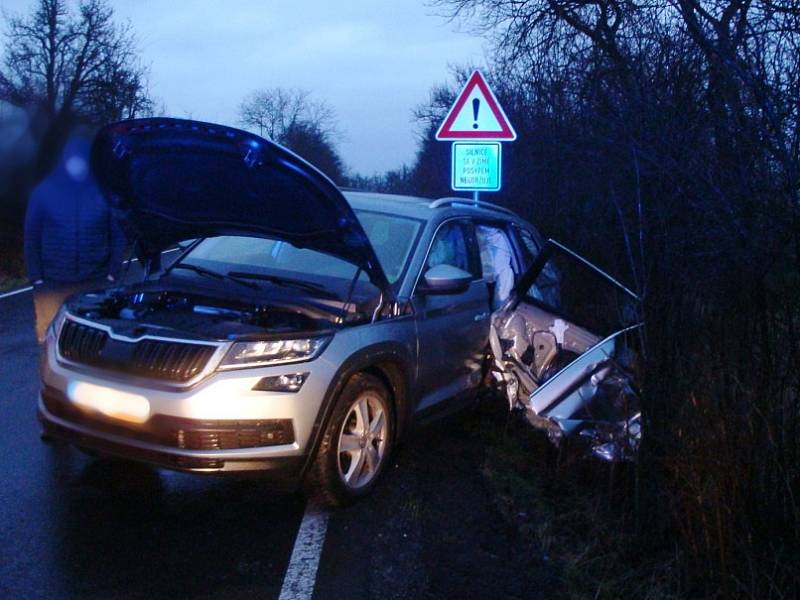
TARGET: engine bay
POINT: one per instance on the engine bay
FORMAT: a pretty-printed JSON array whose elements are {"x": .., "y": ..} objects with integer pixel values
[{"x": 199, "y": 315}]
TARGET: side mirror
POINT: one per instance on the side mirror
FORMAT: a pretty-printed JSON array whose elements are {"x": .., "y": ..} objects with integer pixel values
[{"x": 444, "y": 279}]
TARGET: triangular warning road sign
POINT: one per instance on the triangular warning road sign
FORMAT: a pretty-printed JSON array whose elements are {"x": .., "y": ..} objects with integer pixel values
[{"x": 476, "y": 115}]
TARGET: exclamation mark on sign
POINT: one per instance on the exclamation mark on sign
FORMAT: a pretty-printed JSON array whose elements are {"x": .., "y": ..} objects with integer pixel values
[{"x": 476, "y": 106}]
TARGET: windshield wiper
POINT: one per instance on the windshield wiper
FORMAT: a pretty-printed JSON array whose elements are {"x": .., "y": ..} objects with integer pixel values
[
  {"x": 209, "y": 273},
  {"x": 285, "y": 281}
]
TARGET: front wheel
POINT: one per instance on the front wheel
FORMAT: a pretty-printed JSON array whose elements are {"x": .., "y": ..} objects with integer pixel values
[{"x": 357, "y": 442}]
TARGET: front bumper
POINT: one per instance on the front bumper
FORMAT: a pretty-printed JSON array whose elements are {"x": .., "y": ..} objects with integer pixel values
[
  {"x": 113, "y": 440},
  {"x": 218, "y": 425}
]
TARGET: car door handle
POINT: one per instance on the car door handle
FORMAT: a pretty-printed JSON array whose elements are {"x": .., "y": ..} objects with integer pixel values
[{"x": 480, "y": 316}]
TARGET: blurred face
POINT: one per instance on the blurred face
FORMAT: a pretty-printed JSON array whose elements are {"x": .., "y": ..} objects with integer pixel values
[
  {"x": 75, "y": 157},
  {"x": 77, "y": 167}
]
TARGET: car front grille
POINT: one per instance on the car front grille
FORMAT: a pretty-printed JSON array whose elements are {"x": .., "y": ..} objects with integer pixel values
[
  {"x": 80, "y": 343},
  {"x": 175, "y": 361},
  {"x": 159, "y": 359}
]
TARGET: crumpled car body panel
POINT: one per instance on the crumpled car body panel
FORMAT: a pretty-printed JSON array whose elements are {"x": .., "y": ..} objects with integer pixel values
[{"x": 569, "y": 381}]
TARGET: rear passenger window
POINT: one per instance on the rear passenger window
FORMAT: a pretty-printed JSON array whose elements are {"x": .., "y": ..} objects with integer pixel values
[{"x": 455, "y": 245}]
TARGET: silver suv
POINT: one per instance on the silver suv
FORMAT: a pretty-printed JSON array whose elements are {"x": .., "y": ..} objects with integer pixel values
[{"x": 300, "y": 330}]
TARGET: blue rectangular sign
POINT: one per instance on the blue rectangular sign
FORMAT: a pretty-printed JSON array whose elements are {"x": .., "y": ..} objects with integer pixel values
[{"x": 476, "y": 166}]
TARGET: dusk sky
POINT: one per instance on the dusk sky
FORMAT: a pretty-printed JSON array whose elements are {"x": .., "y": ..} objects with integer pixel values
[{"x": 373, "y": 61}]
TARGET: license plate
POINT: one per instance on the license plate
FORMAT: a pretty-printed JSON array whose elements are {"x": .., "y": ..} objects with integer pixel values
[{"x": 116, "y": 404}]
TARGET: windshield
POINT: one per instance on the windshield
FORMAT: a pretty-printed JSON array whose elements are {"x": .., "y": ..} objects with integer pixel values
[{"x": 392, "y": 237}]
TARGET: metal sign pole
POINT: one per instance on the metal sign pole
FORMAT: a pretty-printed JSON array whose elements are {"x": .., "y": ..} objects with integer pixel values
[{"x": 475, "y": 196}]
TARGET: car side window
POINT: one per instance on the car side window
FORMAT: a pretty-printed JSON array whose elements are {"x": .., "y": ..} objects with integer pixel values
[
  {"x": 528, "y": 246},
  {"x": 455, "y": 245},
  {"x": 498, "y": 262},
  {"x": 546, "y": 288}
]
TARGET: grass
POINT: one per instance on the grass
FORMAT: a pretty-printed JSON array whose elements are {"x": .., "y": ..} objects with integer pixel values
[
  {"x": 8, "y": 283},
  {"x": 575, "y": 513},
  {"x": 12, "y": 266}
]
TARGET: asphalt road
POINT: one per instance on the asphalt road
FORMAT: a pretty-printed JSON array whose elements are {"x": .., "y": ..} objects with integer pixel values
[{"x": 76, "y": 527}]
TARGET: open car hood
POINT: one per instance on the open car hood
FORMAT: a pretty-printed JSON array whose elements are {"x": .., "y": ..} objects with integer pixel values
[{"x": 173, "y": 179}]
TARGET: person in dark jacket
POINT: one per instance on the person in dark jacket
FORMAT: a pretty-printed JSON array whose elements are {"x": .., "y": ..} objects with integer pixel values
[{"x": 71, "y": 239}]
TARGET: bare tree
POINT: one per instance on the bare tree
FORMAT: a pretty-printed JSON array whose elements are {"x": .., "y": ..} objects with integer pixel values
[
  {"x": 273, "y": 112},
  {"x": 71, "y": 66},
  {"x": 316, "y": 147},
  {"x": 80, "y": 65},
  {"x": 291, "y": 118}
]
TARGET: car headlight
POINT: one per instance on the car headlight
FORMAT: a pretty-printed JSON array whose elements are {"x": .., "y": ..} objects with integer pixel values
[{"x": 255, "y": 354}]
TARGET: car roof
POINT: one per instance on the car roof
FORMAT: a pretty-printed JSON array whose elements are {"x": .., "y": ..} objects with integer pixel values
[{"x": 425, "y": 208}]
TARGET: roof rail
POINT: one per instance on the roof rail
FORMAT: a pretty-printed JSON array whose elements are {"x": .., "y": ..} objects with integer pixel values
[{"x": 469, "y": 202}]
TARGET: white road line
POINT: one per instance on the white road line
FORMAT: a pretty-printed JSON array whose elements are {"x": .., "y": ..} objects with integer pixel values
[
  {"x": 298, "y": 583},
  {"x": 15, "y": 292}
]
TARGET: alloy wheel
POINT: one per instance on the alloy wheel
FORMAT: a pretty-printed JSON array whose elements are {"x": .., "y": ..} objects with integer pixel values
[{"x": 362, "y": 440}]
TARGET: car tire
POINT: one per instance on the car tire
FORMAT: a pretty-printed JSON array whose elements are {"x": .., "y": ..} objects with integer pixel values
[{"x": 356, "y": 445}]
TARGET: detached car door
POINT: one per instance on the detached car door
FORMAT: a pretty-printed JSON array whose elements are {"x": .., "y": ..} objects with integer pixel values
[
  {"x": 453, "y": 328},
  {"x": 565, "y": 347}
]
